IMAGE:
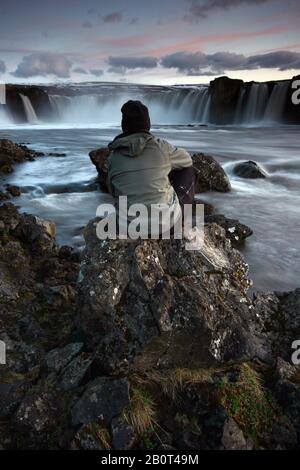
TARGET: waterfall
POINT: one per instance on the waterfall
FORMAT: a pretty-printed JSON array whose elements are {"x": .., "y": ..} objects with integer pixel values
[
  {"x": 256, "y": 103},
  {"x": 239, "y": 107},
  {"x": 274, "y": 109},
  {"x": 29, "y": 110},
  {"x": 5, "y": 118},
  {"x": 168, "y": 105}
]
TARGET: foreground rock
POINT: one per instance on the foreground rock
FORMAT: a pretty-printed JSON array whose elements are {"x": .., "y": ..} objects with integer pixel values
[
  {"x": 249, "y": 169},
  {"x": 150, "y": 349},
  {"x": 156, "y": 293},
  {"x": 234, "y": 229}
]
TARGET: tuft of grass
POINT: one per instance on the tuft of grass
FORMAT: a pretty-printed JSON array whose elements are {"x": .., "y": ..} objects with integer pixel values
[
  {"x": 247, "y": 402},
  {"x": 173, "y": 381},
  {"x": 141, "y": 412},
  {"x": 100, "y": 433}
]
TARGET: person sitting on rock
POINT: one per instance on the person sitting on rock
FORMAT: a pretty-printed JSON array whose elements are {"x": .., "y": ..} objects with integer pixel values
[{"x": 147, "y": 169}]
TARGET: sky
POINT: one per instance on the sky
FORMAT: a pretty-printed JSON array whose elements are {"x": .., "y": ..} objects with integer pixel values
[{"x": 155, "y": 41}]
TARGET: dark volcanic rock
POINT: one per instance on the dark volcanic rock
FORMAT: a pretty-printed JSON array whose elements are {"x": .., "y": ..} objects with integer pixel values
[
  {"x": 212, "y": 177},
  {"x": 224, "y": 93},
  {"x": 58, "y": 359},
  {"x": 99, "y": 159},
  {"x": 38, "y": 98},
  {"x": 235, "y": 231},
  {"x": 291, "y": 112},
  {"x": 153, "y": 296},
  {"x": 278, "y": 320},
  {"x": 11, "y": 153},
  {"x": 249, "y": 169},
  {"x": 104, "y": 399}
]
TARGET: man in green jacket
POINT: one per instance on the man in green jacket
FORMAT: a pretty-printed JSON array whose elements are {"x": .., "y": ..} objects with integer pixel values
[{"x": 146, "y": 169}]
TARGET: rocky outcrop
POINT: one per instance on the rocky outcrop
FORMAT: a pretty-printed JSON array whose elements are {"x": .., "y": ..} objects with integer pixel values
[
  {"x": 11, "y": 153},
  {"x": 156, "y": 293},
  {"x": 234, "y": 229},
  {"x": 38, "y": 97},
  {"x": 249, "y": 169},
  {"x": 151, "y": 348},
  {"x": 224, "y": 94},
  {"x": 211, "y": 176},
  {"x": 291, "y": 112}
]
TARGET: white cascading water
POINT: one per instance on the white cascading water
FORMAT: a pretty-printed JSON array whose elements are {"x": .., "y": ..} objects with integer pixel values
[
  {"x": 239, "y": 107},
  {"x": 256, "y": 103},
  {"x": 275, "y": 106},
  {"x": 168, "y": 105},
  {"x": 29, "y": 110},
  {"x": 5, "y": 118},
  {"x": 174, "y": 106}
]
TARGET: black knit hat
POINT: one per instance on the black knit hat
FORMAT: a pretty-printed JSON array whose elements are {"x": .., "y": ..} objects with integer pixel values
[{"x": 135, "y": 117}]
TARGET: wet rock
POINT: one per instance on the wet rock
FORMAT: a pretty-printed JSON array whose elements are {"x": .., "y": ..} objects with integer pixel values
[
  {"x": 99, "y": 159},
  {"x": 11, "y": 153},
  {"x": 13, "y": 190},
  {"x": 234, "y": 229},
  {"x": 57, "y": 359},
  {"x": 211, "y": 177},
  {"x": 104, "y": 398},
  {"x": 123, "y": 437},
  {"x": 249, "y": 169}
]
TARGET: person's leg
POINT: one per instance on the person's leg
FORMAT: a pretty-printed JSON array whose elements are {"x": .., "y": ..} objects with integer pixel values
[{"x": 184, "y": 183}]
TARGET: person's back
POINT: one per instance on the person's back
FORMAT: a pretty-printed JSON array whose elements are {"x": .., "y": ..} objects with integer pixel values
[
  {"x": 139, "y": 167},
  {"x": 140, "y": 163}
]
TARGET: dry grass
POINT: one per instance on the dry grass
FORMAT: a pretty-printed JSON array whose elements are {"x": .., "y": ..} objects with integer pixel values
[
  {"x": 101, "y": 434},
  {"x": 173, "y": 381},
  {"x": 141, "y": 413}
]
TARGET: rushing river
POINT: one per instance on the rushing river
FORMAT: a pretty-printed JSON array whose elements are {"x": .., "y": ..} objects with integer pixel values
[{"x": 63, "y": 189}]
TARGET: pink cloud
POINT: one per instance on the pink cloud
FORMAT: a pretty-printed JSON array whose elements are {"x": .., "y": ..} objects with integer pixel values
[{"x": 198, "y": 42}]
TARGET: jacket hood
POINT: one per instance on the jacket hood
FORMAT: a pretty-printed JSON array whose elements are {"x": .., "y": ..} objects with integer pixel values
[{"x": 131, "y": 145}]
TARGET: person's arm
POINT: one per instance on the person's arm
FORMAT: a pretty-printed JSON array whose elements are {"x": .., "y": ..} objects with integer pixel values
[{"x": 179, "y": 158}]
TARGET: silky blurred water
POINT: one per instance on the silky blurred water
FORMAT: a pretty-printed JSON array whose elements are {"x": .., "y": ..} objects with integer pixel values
[{"x": 63, "y": 189}]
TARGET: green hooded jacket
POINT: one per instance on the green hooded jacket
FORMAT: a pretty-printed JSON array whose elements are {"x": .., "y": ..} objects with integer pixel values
[{"x": 139, "y": 165}]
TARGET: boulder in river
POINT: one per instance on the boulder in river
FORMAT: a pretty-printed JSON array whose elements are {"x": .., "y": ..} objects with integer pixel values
[
  {"x": 211, "y": 177},
  {"x": 249, "y": 169}
]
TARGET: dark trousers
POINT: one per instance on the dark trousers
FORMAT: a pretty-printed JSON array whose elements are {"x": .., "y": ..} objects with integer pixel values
[{"x": 184, "y": 183}]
